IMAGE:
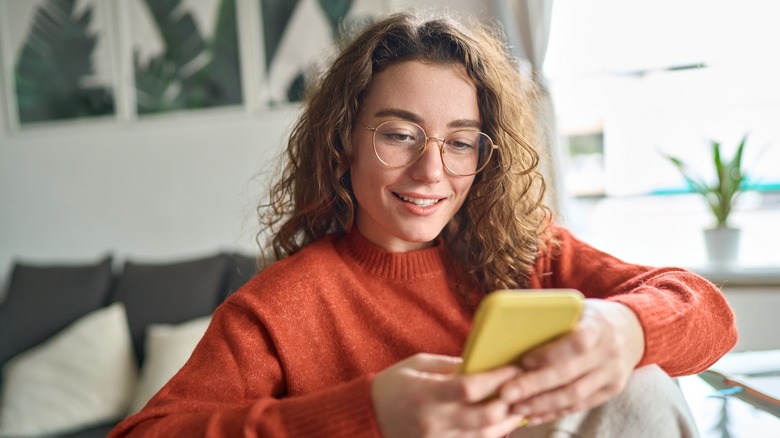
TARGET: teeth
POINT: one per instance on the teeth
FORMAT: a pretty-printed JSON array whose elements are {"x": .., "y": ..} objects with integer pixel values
[{"x": 419, "y": 202}]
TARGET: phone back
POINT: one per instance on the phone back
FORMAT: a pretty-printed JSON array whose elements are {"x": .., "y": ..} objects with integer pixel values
[{"x": 508, "y": 323}]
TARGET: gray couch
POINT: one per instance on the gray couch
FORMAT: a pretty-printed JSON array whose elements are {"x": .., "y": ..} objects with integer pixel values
[{"x": 42, "y": 300}]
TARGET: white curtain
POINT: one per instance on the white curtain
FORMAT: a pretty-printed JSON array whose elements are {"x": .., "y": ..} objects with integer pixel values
[{"x": 527, "y": 27}]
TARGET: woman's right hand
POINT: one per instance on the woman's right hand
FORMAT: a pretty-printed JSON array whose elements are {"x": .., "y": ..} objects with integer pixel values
[{"x": 425, "y": 396}]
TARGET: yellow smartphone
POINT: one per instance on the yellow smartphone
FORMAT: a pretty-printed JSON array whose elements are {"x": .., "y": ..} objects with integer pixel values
[{"x": 508, "y": 323}]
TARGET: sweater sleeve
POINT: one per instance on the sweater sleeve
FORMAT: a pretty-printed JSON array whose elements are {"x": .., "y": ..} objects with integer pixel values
[
  {"x": 687, "y": 322},
  {"x": 233, "y": 385}
]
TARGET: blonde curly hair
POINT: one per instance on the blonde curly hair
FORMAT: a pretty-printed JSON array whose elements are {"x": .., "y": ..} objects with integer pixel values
[{"x": 497, "y": 234}]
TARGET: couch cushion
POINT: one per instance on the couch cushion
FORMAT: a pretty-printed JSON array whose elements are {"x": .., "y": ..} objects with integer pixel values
[
  {"x": 83, "y": 376},
  {"x": 167, "y": 349},
  {"x": 41, "y": 300},
  {"x": 169, "y": 293}
]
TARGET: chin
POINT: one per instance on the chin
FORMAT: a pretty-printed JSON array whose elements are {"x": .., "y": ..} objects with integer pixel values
[{"x": 420, "y": 237}]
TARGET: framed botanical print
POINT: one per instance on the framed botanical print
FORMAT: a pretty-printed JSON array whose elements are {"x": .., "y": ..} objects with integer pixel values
[
  {"x": 185, "y": 54},
  {"x": 57, "y": 60}
]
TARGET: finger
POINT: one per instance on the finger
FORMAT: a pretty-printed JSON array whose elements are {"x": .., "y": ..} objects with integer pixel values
[
  {"x": 481, "y": 415},
  {"x": 500, "y": 429},
  {"x": 598, "y": 398},
  {"x": 533, "y": 383},
  {"x": 485, "y": 420},
  {"x": 471, "y": 388},
  {"x": 434, "y": 363},
  {"x": 563, "y": 398},
  {"x": 565, "y": 348}
]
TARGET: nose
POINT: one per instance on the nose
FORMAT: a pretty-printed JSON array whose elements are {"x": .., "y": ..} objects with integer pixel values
[{"x": 429, "y": 167}]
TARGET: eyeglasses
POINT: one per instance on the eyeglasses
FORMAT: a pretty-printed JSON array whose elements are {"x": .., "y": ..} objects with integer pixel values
[{"x": 463, "y": 152}]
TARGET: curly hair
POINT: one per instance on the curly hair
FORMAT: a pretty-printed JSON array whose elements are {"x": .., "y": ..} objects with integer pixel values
[{"x": 497, "y": 234}]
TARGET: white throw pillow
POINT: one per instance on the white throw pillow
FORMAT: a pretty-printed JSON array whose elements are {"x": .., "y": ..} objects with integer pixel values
[
  {"x": 167, "y": 348},
  {"x": 82, "y": 376}
]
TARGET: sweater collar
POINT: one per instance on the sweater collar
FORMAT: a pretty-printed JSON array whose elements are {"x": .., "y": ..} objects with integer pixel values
[{"x": 395, "y": 265}]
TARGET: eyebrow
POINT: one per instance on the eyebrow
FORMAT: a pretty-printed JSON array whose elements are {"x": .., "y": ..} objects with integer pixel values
[{"x": 412, "y": 117}]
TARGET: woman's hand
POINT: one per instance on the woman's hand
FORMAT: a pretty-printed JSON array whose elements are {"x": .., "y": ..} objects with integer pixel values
[
  {"x": 580, "y": 370},
  {"x": 424, "y": 396}
]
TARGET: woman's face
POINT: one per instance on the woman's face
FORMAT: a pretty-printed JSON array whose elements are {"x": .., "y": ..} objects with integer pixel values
[{"x": 403, "y": 209}]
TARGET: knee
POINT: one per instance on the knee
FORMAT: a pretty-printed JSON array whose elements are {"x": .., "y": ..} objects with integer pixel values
[
  {"x": 650, "y": 386},
  {"x": 652, "y": 399},
  {"x": 651, "y": 405}
]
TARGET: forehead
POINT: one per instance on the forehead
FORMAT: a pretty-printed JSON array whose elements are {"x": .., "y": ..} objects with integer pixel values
[{"x": 430, "y": 90}]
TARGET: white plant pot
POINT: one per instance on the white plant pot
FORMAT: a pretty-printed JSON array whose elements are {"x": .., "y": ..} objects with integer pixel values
[{"x": 722, "y": 245}]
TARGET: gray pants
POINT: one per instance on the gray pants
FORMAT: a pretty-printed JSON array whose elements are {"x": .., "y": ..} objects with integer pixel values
[{"x": 651, "y": 405}]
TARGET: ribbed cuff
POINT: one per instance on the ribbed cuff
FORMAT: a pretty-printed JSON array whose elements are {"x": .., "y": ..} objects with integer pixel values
[
  {"x": 342, "y": 411},
  {"x": 656, "y": 324}
]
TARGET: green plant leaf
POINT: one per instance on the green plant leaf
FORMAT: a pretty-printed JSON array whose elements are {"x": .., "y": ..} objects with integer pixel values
[
  {"x": 694, "y": 182},
  {"x": 53, "y": 64},
  {"x": 191, "y": 73},
  {"x": 183, "y": 57},
  {"x": 736, "y": 167},
  {"x": 183, "y": 41},
  {"x": 156, "y": 85},
  {"x": 730, "y": 178},
  {"x": 223, "y": 73},
  {"x": 275, "y": 15},
  {"x": 335, "y": 11}
]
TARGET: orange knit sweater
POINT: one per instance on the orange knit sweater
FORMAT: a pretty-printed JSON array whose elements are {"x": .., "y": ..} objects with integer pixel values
[{"x": 294, "y": 351}]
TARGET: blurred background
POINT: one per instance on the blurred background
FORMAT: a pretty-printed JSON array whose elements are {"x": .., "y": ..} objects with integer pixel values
[{"x": 147, "y": 129}]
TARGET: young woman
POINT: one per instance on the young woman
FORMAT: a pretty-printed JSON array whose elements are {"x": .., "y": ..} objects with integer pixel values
[{"x": 410, "y": 191}]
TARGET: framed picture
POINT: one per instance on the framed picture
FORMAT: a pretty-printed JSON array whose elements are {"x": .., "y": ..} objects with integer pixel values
[
  {"x": 57, "y": 60},
  {"x": 185, "y": 54},
  {"x": 300, "y": 35}
]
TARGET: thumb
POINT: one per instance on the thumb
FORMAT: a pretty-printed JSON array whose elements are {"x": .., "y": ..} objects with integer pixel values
[{"x": 434, "y": 363}]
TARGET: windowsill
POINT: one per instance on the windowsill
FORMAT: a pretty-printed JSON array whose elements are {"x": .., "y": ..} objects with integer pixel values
[
  {"x": 739, "y": 276},
  {"x": 667, "y": 231}
]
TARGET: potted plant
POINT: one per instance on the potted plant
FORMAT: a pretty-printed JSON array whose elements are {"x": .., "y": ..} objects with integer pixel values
[{"x": 722, "y": 240}]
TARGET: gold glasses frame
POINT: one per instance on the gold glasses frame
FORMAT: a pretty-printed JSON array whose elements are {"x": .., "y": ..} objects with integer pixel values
[{"x": 442, "y": 142}]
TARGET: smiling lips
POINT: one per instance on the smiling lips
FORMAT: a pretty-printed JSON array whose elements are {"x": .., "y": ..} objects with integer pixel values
[{"x": 420, "y": 202}]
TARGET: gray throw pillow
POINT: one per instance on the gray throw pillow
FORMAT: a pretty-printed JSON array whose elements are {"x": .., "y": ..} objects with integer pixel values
[
  {"x": 42, "y": 299},
  {"x": 169, "y": 293}
]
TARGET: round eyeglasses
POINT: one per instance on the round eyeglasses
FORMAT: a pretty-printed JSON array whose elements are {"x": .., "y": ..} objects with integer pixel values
[{"x": 463, "y": 152}]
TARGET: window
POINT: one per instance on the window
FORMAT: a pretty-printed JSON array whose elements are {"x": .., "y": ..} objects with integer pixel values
[{"x": 633, "y": 80}]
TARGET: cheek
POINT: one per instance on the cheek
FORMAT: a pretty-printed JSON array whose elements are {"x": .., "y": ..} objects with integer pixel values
[
  {"x": 362, "y": 158},
  {"x": 359, "y": 172},
  {"x": 464, "y": 187},
  {"x": 366, "y": 181},
  {"x": 368, "y": 173}
]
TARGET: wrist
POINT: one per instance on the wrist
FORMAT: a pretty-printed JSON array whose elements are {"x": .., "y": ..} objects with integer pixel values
[{"x": 632, "y": 331}]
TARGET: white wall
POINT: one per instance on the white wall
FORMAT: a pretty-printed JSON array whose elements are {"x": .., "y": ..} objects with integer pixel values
[
  {"x": 157, "y": 189},
  {"x": 755, "y": 309}
]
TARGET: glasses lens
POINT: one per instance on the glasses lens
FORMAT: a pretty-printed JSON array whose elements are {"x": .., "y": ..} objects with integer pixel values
[
  {"x": 398, "y": 143},
  {"x": 466, "y": 152}
]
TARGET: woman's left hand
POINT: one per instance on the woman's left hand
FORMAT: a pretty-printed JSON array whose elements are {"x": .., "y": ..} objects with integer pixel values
[{"x": 580, "y": 370}]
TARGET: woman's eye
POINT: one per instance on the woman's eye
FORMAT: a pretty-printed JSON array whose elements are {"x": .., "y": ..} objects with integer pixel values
[
  {"x": 398, "y": 137},
  {"x": 460, "y": 145}
]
